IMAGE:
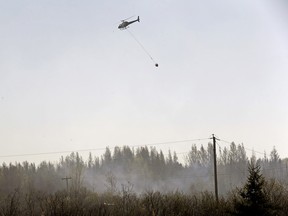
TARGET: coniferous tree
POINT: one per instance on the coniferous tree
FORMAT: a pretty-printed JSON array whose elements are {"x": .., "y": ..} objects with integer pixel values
[{"x": 251, "y": 198}]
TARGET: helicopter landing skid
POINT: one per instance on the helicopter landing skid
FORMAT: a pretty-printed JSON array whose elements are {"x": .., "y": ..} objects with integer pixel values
[{"x": 124, "y": 28}]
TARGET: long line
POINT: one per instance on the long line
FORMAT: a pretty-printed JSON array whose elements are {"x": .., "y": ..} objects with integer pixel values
[{"x": 141, "y": 45}]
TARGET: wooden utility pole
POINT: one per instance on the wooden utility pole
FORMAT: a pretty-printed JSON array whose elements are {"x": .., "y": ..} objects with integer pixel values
[
  {"x": 215, "y": 167},
  {"x": 67, "y": 179}
]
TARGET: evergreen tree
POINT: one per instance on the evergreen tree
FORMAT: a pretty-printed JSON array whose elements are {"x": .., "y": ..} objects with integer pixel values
[{"x": 251, "y": 199}]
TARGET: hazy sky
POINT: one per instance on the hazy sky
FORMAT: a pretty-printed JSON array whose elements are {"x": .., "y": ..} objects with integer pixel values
[{"x": 70, "y": 80}]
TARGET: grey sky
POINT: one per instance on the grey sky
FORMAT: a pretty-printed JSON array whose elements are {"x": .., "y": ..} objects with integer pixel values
[{"x": 69, "y": 79}]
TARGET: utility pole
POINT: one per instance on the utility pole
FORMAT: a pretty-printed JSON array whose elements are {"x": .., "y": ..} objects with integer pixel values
[
  {"x": 67, "y": 179},
  {"x": 215, "y": 167}
]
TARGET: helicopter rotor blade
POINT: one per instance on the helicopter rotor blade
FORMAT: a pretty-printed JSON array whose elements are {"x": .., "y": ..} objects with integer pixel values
[{"x": 127, "y": 18}]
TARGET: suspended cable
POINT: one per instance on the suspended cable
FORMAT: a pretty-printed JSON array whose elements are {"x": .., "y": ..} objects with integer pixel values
[
  {"x": 252, "y": 150},
  {"x": 102, "y": 149},
  {"x": 133, "y": 36}
]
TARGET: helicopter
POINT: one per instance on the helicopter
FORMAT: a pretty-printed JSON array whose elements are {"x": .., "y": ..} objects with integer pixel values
[{"x": 125, "y": 23}]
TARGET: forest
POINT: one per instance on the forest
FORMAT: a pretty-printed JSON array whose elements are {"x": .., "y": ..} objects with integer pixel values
[{"x": 144, "y": 181}]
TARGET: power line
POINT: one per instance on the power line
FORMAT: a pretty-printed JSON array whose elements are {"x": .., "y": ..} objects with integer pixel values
[
  {"x": 131, "y": 146},
  {"x": 101, "y": 149},
  {"x": 252, "y": 150}
]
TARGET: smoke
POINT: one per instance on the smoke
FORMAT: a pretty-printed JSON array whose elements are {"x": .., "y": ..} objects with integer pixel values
[{"x": 139, "y": 171}]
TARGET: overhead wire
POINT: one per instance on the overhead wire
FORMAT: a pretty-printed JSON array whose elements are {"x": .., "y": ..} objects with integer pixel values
[
  {"x": 252, "y": 150},
  {"x": 101, "y": 149},
  {"x": 131, "y": 146}
]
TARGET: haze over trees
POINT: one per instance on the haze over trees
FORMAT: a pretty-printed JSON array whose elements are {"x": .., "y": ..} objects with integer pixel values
[{"x": 144, "y": 181}]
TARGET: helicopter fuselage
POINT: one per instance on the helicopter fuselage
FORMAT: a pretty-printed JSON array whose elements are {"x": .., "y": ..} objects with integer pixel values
[{"x": 125, "y": 24}]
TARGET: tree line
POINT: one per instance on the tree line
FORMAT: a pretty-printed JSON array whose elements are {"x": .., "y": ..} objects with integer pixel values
[
  {"x": 145, "y": 168},
  {"x": 142, "y": 177}
]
